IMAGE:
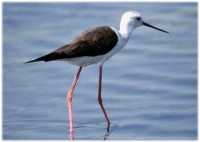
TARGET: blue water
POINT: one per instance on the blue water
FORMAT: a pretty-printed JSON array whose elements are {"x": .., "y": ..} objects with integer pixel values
[{"x": 149, "y": 88}]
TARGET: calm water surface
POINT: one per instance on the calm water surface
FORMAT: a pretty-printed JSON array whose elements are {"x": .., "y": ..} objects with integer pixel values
[{"x": 149, "y": 88}]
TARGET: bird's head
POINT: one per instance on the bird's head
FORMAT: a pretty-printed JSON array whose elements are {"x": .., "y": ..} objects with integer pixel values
[{"x": 133, "y": 19}]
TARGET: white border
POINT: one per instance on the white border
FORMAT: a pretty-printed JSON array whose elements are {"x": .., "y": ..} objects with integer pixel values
[{"x": 85, "y": 1}]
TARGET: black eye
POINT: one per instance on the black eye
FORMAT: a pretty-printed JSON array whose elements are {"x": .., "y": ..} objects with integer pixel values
[{"x": 138, "y": 18}]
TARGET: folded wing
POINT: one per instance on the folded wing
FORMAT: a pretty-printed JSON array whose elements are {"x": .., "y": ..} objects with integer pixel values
[{"x": 93, "y": 42}]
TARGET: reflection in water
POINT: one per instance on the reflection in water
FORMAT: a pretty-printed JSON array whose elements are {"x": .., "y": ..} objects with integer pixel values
[
  {"x": 107, "y": 134},
  {"x": 72, "y": 135}
]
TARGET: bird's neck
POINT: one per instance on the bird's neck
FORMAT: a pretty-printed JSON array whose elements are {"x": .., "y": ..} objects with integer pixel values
[{"x": 125, "y": 29}]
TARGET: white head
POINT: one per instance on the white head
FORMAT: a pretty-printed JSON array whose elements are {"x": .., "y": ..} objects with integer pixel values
[{"x": 131, "y": 20}]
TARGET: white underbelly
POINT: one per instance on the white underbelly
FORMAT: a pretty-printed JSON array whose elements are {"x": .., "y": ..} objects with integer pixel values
[{"x": 85, "y": 61}]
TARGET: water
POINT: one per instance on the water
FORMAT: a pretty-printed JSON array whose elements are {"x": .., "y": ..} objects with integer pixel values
[{"x": 149, "y": 88}]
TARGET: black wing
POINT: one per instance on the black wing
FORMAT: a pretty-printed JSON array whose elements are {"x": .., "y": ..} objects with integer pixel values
[{"x": 94, "y": 42}]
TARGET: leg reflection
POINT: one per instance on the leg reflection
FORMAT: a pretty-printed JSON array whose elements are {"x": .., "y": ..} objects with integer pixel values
[{"x": 107, "y": 134}]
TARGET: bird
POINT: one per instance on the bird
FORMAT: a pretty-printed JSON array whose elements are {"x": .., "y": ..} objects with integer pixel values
[{"x": 95, "y": 46}]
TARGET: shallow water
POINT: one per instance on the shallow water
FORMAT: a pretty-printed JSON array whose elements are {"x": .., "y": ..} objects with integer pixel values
[{"x": 149, "y": 88}]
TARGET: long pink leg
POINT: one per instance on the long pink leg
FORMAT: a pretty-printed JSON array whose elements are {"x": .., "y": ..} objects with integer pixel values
[
  {"x": 69, "y": 101},
  {"x": 100, "y": 98}
]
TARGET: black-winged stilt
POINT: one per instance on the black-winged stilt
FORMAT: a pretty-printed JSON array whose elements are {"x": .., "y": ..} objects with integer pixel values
[{"x": 93, "y": 46}]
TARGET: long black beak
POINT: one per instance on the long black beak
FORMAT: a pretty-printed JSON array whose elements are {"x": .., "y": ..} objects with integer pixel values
[{"x": 148, "y": 25}]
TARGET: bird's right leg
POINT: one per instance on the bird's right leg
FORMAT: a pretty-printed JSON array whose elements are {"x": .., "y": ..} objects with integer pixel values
[
  {"x": 100, "y": 98},
  {"x": 69, "y": 100}
]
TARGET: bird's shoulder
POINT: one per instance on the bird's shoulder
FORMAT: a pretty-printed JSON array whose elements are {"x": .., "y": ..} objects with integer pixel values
[{"x": 97, "y": 34}]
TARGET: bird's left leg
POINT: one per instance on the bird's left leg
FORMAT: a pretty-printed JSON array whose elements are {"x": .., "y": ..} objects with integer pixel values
[
  {"x": 100, "y": 98},
  {"x": 69, "y": 99}
]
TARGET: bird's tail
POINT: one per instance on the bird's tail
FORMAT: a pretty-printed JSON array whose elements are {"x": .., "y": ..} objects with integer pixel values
[
  {"x": 45, "y": 58},
  {"x": 35, "y": 60}
]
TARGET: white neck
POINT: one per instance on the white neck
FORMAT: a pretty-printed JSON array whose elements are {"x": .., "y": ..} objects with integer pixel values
[{"x": 125, "y": 28}]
